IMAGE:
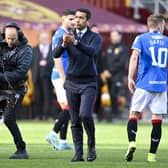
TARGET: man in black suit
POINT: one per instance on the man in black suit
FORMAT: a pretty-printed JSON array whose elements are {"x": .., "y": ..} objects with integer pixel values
[
  {"x": 83, "y": 48},
  {"x": 42, "y": 65}
]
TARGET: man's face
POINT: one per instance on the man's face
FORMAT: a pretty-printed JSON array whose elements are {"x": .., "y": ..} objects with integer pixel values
[
  {"x": 69, "y": 22},
  {"x": 11, "y": 36},
  {"x": 115, "y": 37},
  {"x": 44, "y": 38},
  {"x": 81, "y": 20}
]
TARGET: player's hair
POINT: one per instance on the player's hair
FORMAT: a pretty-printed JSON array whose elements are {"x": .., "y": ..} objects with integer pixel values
[
  {"x": 154, "y": 20},
  {"x": 68, "y": 12},
  {"x": 85, "y": 10}
]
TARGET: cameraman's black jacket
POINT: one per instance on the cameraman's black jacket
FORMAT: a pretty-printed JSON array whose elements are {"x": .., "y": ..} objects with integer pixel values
[{"x": 14, "y": 65}]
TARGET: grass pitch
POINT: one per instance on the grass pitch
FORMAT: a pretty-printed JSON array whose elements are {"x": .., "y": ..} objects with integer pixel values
[{"x": 111, "y": 147}]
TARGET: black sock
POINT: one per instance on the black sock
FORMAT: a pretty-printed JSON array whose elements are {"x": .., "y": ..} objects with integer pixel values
[
  {"x": 155, "y": 135},
  {"x": 58, "y": 123},
  {"x": 132, "y": 129},
  {"x": 64, "y": 127},
  {"x": 61, "y": 122}
]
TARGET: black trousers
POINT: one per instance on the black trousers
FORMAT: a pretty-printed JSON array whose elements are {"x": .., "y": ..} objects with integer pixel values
[
  {"x": 114, "y": 90},
  {"x": 81, "y": 98},
  {"x": 10, "y": 122},
  {"x": 43, "y": 91},
  {"x": 98, "y": 107}
]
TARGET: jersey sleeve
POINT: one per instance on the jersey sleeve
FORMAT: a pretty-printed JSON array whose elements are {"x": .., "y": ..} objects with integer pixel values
[
  {"x": 137, "y": 44},
  {"x": 56, "y": 38}
]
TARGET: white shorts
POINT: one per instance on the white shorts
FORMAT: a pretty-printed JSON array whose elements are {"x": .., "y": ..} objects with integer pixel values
[
  {"x": 60, "y": 91},
  {"x": 154, "y": 102}
]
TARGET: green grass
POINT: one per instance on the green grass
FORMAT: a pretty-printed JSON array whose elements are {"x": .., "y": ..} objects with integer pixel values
[{"x": 111, "y": 147}]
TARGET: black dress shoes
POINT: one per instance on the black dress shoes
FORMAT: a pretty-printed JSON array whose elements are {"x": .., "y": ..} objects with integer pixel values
[
  {"x": 77, "y": 158},
  {"x": 91, "y": 154},
  {"x": 20, "y": 154}
]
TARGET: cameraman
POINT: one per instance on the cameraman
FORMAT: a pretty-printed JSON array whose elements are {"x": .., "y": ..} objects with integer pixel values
[{"x": 15, "y": 60}]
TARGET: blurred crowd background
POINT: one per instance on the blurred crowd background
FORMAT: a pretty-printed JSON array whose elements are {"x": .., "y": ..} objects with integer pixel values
[{"x": 118, "y": 21}]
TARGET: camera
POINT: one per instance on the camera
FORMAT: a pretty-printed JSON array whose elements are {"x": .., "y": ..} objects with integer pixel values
[
  {"x": 2, "y": 40},
  {"x": 7, "y": 100},
  {"x": 2, "y": 44},
  {"x": 3, "y": 104},
  {"x": 1, "y": 115}
]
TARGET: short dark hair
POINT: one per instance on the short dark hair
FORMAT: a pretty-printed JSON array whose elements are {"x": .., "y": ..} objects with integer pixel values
[
  {"x": 85, "y": 10},
  {"x": 155, "y": 20},
  {"x": 117, "y": 31},
  {"x": 68, "y": 12}
]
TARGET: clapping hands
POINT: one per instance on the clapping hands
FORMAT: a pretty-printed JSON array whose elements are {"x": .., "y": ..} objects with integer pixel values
[{"x": 68, "y": 39}]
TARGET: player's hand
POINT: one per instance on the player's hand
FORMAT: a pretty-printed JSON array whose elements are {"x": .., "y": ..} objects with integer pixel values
[
  {"x": 131, "y": 85},
  {"x": 72, "y": 37}
]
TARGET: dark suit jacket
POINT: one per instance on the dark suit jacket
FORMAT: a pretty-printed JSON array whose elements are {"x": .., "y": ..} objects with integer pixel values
[
  {"x": 35, "y": 63},
  {"x": 82, "y": 57}
]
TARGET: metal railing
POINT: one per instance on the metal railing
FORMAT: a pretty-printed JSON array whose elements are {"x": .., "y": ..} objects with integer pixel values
[{"x": 156, "y": 6}]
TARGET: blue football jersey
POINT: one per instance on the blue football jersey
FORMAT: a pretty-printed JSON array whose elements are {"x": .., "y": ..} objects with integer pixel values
[
  {"x": 153, "y": 59},
  {"x": 64, "y": 58}
]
